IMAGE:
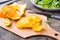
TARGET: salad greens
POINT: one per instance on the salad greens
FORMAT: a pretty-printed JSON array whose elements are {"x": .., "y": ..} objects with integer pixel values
[{"x": 48, "y": 3}]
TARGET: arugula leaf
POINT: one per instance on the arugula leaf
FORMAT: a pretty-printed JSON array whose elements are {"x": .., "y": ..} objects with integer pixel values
[
  {"x": 36, "y": 1},
  {"x": 59, "y": 3},
  {"x": 48, "y": 3},
  {"x": 47, "y": 22},
  {"x": 44, "y": 2}
]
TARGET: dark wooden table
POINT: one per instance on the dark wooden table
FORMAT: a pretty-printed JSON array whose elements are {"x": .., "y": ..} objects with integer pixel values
[{"x": 6, "y": 35}]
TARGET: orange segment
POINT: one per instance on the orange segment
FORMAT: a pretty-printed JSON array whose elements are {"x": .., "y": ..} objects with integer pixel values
[
  {"x": 23, "y": 23},
  {"x": 35, "y": 18},
  {"x": 2, "y": 15},
  {"x": 9, "y": 10},
  {"x": 15, "y": 6},
  {"x": 12, "y": 7},
  {"x": 38, "y": 28},
  {"x": 15, "y": 17},
  {"x": 5, "y": 9},
  {"x": 10, "y": 13},
  {"x": 35, "y": 25},
  {"x": 6, "y": 22}
]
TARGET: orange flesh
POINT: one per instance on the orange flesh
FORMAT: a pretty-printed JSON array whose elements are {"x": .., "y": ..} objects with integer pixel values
[
  {"x": 11, "y": 13},
  {"x": 9, "y": 10},
  {"x": 2, "y": 15}
]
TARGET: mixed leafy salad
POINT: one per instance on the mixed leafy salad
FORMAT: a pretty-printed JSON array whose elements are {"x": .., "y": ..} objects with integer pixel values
[{"x": 48, "y": 3}]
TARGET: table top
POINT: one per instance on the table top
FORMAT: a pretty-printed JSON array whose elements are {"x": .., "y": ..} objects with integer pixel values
[{"x": 6, "y": 35}]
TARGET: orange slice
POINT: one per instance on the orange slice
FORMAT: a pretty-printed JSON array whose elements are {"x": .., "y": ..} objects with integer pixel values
[
  {"x": 34, "y": 17},
  {"x": 38, "y": 28},
  {"x": 9, "y": 11},
  {"x": 23, "y": 23},
  {"x": 2, "y": 15},
  {"x": 5, "y": 9},
  {"x": 12, "y": 11},
  {"x": 6, "y": 22},
  {"x": 35, "y": 25}
]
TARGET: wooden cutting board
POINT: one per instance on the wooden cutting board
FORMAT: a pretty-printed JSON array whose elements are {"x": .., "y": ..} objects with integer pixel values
[{"x": 48, "y": 31}]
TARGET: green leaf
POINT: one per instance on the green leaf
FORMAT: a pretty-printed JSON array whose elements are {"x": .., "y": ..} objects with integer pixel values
[
  {"x": 36, "y": 1},
  {"x": 45, "y": 1},
  {"x": 48, "y": 3},
  {"x": 47, "y": 22}
]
